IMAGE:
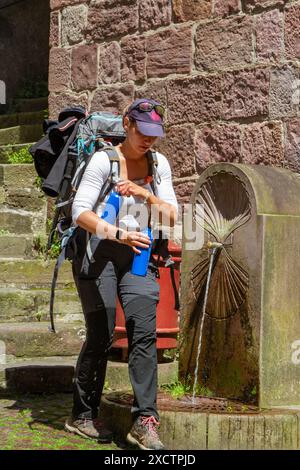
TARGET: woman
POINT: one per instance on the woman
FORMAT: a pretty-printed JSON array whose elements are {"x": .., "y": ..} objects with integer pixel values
[{"x": 99, "y": 283}]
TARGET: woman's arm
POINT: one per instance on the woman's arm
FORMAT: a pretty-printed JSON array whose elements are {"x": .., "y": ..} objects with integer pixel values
[
  {"x": 90, "y": 221},
  {"x": 164, "y": 205}
]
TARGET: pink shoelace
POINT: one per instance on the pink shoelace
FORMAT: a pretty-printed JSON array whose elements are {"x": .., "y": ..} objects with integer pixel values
[{"x": 150, "y": 422}]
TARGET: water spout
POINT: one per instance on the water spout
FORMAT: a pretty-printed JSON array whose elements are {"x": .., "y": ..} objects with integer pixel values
[{"x": 213, "y": 247}]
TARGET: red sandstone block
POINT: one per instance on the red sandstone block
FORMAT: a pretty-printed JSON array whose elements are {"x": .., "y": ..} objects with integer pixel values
[
  {"x": 254, "y": 5},
  {"x": 156, "y": 90},
  {"x": 59, "y": 69},
  {"x": 113, "y": 99},
  {"x": 284, "y": 92},
  {"x": 269, "y": 35},
  {"x": 292, "y": 145},
  {"x": 245, "y": 93},
  {"x": 224, "y": 43},
  {"x": 262, "y": 144},
  {"x": 184, "y": 191},
  {"x": 194, "y": 99},
  {"x": 73, "y": 24},
  {"x": 292, "y": 32},
  {"x": 154, "y": 13},
  {"x": 133, "y": 58},
  {"x": 54, "y": 39},
  {"x": 186, "y": 10},
  {"x": 59, "y": 4},
  {"x": 217, "y": 143},
  {"x": 169, "y": 51},
  {"x": 226, "y": 7},
  {"x": 109, "y": 18},
  {"x": 109, "y": 63},
  {"x": 84, "y": 67},
  {"x": 178, "y": 146},
  {"x": 57, "y": 102}
]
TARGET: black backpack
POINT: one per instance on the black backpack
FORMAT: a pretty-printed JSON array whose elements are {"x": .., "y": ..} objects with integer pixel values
[{"x": 61, "y": 158}]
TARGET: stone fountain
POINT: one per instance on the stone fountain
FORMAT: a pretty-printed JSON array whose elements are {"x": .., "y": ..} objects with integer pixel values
[{"x": 247, "y": 319}]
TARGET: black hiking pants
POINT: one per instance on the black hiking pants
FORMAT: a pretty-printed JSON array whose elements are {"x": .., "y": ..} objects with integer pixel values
[{"x": 98, "y": 284}]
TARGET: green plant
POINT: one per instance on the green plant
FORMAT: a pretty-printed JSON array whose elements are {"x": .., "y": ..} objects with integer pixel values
[
  {"x": 38, "y": 182},
  {"x": 40, "y": 246},
  {"x": 106, "y": 385},
  {"x": 177, "y": 389},
  {"x": 3, "y": 231},
  {"x": 39, "y": 315},
  {"x": 19, "y": 156},
  {"x": 203, "y": 391}
]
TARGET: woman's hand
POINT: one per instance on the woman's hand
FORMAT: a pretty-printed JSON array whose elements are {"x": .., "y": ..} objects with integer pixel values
[
  {"x": 128, "y": 188},
  {"x": 135, "y": 239}
]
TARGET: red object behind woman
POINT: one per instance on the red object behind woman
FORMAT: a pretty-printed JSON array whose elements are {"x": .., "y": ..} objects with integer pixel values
[{"x": 167, "y": 321}]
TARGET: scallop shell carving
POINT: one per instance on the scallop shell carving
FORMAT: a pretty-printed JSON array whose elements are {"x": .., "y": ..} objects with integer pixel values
[{"x": 226, "y": 208}]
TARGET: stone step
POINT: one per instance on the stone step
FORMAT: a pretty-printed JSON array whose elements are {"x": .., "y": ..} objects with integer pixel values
[
  {"x": 29, "y": 305},
  {"x": 31, "y": 104},
  {"x": 19, "y": 119},
  {"x": 18, "y": 175},
  {"x": 55, "y": 374},
  {"x": 27, "y": 199},
  {"x": 34, "y": 273},
  {"x": 16, "y": 221},
  {"x": 33, "y": 339},
  {"x": 4, "y": 149},
  {"x": 21, "y": 134},
  {"x": 16, "y": 246}
]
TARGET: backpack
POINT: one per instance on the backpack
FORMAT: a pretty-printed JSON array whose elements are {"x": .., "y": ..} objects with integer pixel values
[{"x": 60, "y": 159}]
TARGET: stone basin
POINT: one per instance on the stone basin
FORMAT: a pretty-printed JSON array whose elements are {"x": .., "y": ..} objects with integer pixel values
[{"x": 210, "y": 423}]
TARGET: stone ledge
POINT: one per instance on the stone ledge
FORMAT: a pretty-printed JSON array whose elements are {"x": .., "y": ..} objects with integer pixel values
[
  {"x": 33, "y": 339},
  {"x": 54, "y": 374}
]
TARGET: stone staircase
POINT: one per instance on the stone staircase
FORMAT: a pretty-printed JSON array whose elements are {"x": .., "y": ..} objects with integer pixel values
[
  {"x": 25, "y": 277},
  {"x": 23, "y": 127}
]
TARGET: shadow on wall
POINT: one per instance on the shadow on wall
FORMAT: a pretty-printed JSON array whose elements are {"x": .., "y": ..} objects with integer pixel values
[{"x": 24, "y": 45}]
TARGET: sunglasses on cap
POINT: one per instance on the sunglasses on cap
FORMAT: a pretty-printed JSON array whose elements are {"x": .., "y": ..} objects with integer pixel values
[{"x": 147, "y": 107}]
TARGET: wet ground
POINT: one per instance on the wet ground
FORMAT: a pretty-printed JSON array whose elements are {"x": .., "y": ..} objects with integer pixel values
[{"x": 36, "y": 422}]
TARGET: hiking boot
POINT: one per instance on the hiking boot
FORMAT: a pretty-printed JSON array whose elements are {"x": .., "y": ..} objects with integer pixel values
[
  {"x": 144, "y": 434},
  {"x": 89, "y": 428}
]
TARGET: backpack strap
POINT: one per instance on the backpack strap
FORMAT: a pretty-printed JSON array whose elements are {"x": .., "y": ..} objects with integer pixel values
[
  {"x": 152, "y": 170},
  {"x": 160, "y": 246},
  {"x": 113, "y": 178}
]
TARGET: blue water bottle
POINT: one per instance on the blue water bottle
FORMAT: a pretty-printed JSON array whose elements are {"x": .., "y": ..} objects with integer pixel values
[
  {"x": 141, "y": 261},
  {"x": 112, "y": 207}
]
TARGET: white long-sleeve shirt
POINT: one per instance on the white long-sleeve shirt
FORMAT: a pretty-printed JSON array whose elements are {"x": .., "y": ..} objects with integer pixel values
[{"x": 95, "y": 176}]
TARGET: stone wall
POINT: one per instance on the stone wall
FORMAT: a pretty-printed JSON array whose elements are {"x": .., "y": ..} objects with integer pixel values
[
  {"x": 24, "y": 48},
  {"x": 227, "y": 70}
]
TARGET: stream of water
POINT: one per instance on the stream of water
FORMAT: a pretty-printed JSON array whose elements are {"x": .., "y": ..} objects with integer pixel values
[{"x": 212, "y": 255}]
